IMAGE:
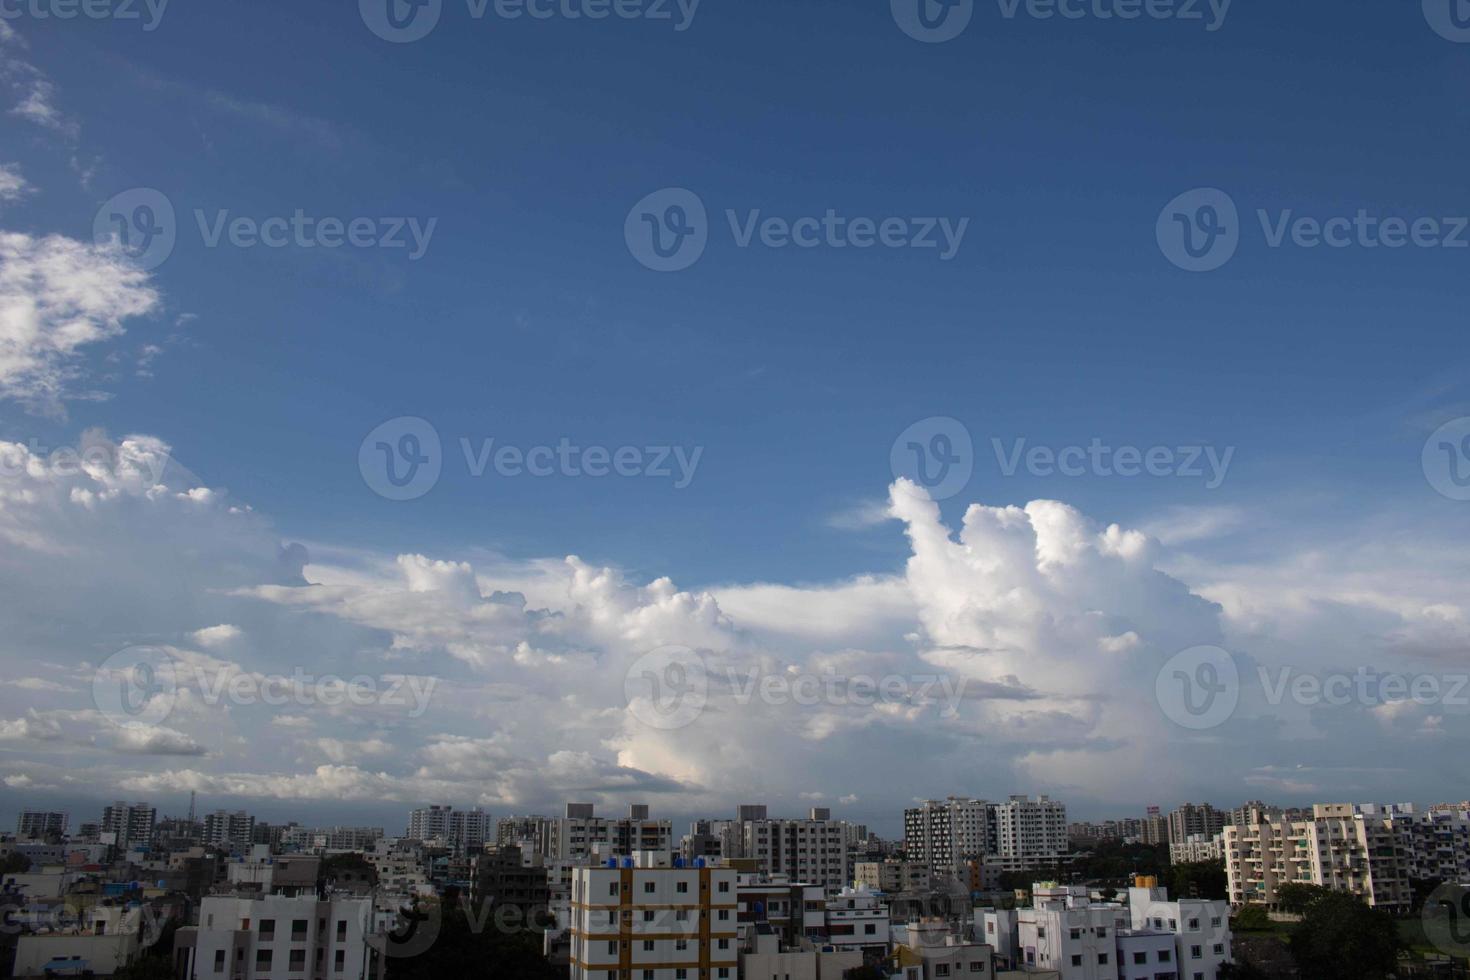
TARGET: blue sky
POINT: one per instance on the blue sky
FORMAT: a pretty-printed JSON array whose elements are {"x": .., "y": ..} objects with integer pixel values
[{"x": 527, "y": 319}]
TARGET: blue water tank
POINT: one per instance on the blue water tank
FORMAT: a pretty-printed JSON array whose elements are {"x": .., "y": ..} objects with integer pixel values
[
  {"x": 627, "y": 862},
  {"x": 678, "y": 862},
  {"x": 612, "y": 862},
  {"x": 699, "y": 862}
]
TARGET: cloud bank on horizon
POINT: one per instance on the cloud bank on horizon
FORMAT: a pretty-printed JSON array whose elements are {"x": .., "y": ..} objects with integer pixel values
[{"x": 1022, "y": 649}]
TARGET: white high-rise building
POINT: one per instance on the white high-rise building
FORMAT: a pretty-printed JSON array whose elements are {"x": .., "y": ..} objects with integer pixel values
[
  {"x": 1201, "y": 929},
  {"x": 467, "y": 831},
  {"x": 40, "y": 824},
  {"x": 580, "y": 834},
  {"x": 132, "y": 824},
  {"x": 812, "y": 850},
  {"x": 652, "y": 919},
  {"x": 229, "y": 830},
  {"x": 945, "y": 833},
  {"x": 1029, "y": 833},
  {"x": 1065, "y": 932},
  {"x": 429, "y": 823}
]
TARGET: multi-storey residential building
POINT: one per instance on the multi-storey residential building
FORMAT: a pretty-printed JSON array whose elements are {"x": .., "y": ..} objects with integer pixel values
[
  {"x": 261, "y": 938},
  {"x": 41, "y": 824},
  {"x": 348, "y": 838},
  {"x": 1366, "y": 849},
  {"x": 651, "y": 918},
  {"x": 581, "y": 833},
  {"x": 943, "y": 834},
  {"x": 1066, "y": 932},
  {"x": 469, "y": 830},
  {"x": 131, "y": 825},
  {"x": 1198, "y": 847},
  {"x": 233, "y": 831},
  {"x": 1190, "y": 820},
  {"x": 1155, "y": 829},
  {"x": 1029, "y": 833},
  {"x": 790, "y": 909},
  {"x": 1200, "y": 929},
  {"x": 932, "y": 951},
  {"x": 813, "y": 850},
  {"x": 524, "y": 832},
  {"x": 892, "y": 875},
  {"x": 429, "y": 822},
  {"x": 857, "y": 919}
]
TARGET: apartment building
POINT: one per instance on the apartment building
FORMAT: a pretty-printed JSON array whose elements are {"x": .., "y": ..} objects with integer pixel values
[
  {"x": 1029, "y": 833},
  {"x": 789, "y": 909},
  {"x": 1190, "y": 820},
  {"x": 41, "y": 824},
  {"x": 857, "y": 919},
  {"x": 1065, "y": 932},
  {"x": 270, "y": 936},
  {"x": 1200, "y": 929},
  {"x": 650, "y": 917},
  {"x": 892, "y": 875},
  {"x": 578, "y": 835},
  {"x": 943, "y": 834},
  {"x": 812, "y": 850},
  {"x": 231, "y": 831},
  {"x": 930, "y": 950},
  {"x": 131, "y": 825},
  {"x": 1198, "y": 847},
  {"x": 1369, "y": 850}
]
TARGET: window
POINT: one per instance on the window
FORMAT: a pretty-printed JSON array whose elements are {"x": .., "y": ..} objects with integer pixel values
[
  {"x": 681, "y": 944},
  {"x": 1102, "y": 959},
  {"x": 298, "y": 961},
  {"x": 647, "y": 915},
  {"x": 612, "y": 889},
  {"x": 870, "y": 929},
  {"x": 724, "y": 973},
  {"x": 1165, "y": 955},
  {"x": 724, "y": 944},
  {"x": 724, "y": 886},
  {"x": 648, "y": 945},
  {"x": 1219, "y": 949},
  {"x": 1140, "y": 957},
  {"x": 681, "y": 974},
  {"x": 941, "y": 969},
  {"x": 1193, "y": 925},
  {"x": 1076, "y": 933},
  {"x": 647, "y": 975},
  {"x": 1076, "y": 959},
  {"x": 1195, "y": 953},
  {"x": 681, "y": 915},
  {"x": 339, "y": 961},
  {"x": 724, "y": 915},
  {"x": 267, "y": 929},
  {"x": 262, "y": 959},
  {"x": 1215, "y": 922},
  {"x": 341, "y": 930},
  {"x": 219, "y": 961},
  {"x": 682, "y": 888},
  {"x": 298, "y": 930},
  {"x": 976, "y": 966}
]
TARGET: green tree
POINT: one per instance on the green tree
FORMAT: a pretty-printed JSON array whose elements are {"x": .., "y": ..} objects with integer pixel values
[
  {"x": 1199, "y": 879},
  {"x": 1295, "y": 896},
  {"x": 1251, "y": 918},
  {"x": 484, "y": 948},
  {"x": 14, "y": 864},
  {"x": 1341, "y": 938}
]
